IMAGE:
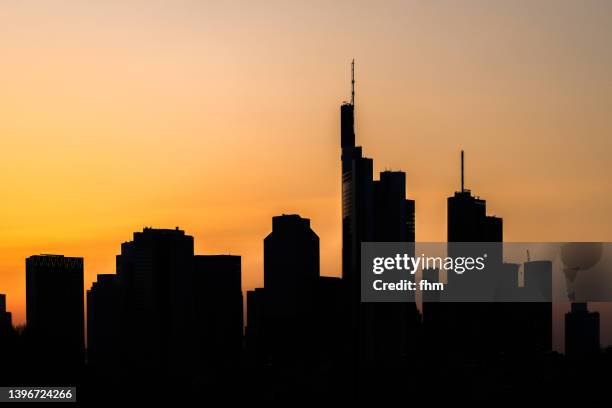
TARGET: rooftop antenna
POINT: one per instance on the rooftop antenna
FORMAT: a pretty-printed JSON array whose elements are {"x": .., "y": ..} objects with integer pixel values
[
  {"x": 353, "y": 82},
  {"x": 462, "y": 185}
]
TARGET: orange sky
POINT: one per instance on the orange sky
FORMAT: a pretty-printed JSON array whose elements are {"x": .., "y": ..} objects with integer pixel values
[{"x": 215, "y": 117}]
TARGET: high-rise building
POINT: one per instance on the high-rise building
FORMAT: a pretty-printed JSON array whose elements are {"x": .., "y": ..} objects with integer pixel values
[
  {"x": 372, "y": 210},
  {"x": 297, "y": 317},
  {"x": 291, "y": 263},
  {"x": 581, "y": 331},
  {"x": 394, "y": 214},
  {"x": 55, "y": 309},
  {"x": 357, "y": 197},
  {"x": 468, "y": 222},
  {"x": 291, "y": 274},
  {"x": 217, "y": 291},
  {"x": 156, "y": 269},
  {"x": 105, "y": 304}
]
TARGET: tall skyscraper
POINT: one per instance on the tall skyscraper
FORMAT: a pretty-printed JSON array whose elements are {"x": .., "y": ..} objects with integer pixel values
[
  {"x": 55, "y": 309},
  {"x": 468, "y": 222},
  {"x": 157, "y": 270},
  {"x": 217, "y": 291},
  {"x": 357, "y": 197},
  {"x": 372, "y": 210}
]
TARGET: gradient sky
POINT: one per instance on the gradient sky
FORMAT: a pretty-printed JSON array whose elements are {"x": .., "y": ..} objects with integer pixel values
[{"x": 215, "y": 116}]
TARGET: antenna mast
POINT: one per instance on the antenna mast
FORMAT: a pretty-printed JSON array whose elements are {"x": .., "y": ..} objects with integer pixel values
[
  {"x": 462, "y": 185},
  {"x": 353, "y": 82}
]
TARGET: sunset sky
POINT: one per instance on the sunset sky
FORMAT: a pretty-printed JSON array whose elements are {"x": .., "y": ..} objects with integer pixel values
[{"x": 215, "y": 116}]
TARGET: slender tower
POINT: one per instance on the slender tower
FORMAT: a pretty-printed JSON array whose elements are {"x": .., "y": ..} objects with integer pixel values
[
  {"x": 347, "y": 119},
  {"x": 347, "y": 143}
]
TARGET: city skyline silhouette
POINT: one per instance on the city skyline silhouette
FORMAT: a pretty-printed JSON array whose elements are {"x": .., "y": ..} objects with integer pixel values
[
  {"x": 87, "y": 158},
  {"x": 348, "y": 138},
  {"x": 171, "y": 316},
  {"x": 186, "y": 189}
]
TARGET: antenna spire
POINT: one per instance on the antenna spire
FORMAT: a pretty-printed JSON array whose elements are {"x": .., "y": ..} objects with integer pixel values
[
  {"x": 353, "y": 82},
  {"x": 462, "y": 179}
]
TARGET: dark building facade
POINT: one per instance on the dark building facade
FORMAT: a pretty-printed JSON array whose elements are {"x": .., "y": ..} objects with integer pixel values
[
  {"x": 291, "y": 264},
  {"x": 55, "y": 310},
  {"x": 167, "y": 312},
  {"x": 581, "y": 331},
  {"x": 156, "y": 269},
  {"x": 291, "y": 274},
  {"x": 105, "y": 304},
  {"x": 296, "y": 318},
  {"x": 217, "y": 291}
]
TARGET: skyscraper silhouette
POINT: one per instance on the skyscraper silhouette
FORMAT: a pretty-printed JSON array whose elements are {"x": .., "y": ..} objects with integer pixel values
[
  {"x": 217, "y": 291},
  {"x": 468, "y": 222},
  {"x": 157, "y": 270},
  {"x": 291, "y": 263},
  {"x": 55, "y": 310},
  {"x": 372, "y": 210},
  {"x": 291, "y": 274}
]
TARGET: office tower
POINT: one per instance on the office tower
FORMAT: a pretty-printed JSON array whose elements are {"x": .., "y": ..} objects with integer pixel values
[
  {"x": 217, "y": 289},
  {"x": 291, "y": 263},
  {"x": 581, "y": 331},
  {"x": 394, "y": 214},
  {"x": 467, "y": 222},
  {"x": 291, "y": 273},
  {"x": 357, "y": 197},
  {"x": 372, "y": 211},
  {"x": 156, "y": 269},
  {"x": 55, "y": 310},
  {"x": 105, "y": 304}
]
